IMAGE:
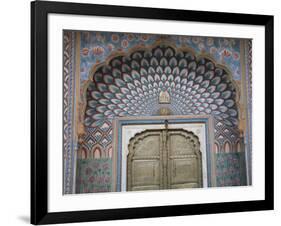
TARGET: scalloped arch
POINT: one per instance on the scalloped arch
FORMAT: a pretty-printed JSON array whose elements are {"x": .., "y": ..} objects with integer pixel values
[
  {"x": 137, "y": 138},
  {"x": 129, "y": 85}
]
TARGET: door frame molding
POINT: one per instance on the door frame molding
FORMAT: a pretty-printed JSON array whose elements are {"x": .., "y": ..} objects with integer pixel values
[{"x": 118, "y": 124}]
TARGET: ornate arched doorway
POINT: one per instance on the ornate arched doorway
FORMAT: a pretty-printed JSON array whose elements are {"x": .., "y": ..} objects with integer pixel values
[
  {"x": 164, "y": 159},
  {"x": 154, "y": 81}
]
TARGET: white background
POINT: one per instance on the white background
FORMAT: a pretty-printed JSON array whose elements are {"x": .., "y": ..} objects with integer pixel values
[
  {"x": 15, "y": 113},
  {"x": 57, "y": 202}
]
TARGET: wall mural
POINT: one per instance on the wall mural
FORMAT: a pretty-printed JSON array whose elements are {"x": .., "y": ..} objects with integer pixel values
[{"x": 110, "y": 74}]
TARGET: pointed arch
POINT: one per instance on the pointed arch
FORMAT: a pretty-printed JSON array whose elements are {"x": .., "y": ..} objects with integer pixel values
[
  {"x": 96, "y": 152},
  {"x": 216, "y": 147},
  {"x": 82, "y": 153},
  {"x": 109, "y": 152},
  {"x": 227, "y": 147},
  {"x": 238, "y": 146}
]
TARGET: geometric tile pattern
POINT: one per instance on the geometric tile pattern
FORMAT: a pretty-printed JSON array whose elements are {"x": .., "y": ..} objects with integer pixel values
[
  {"x": 101, "y": 135},
  {"x": 225, "y": 133}
]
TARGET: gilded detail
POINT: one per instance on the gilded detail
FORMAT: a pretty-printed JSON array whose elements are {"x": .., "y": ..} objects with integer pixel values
[{"x": 164, "y": 97}]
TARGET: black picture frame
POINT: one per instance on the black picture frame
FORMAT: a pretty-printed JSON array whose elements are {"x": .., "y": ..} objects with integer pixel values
[{"x": 39, "y": 112}]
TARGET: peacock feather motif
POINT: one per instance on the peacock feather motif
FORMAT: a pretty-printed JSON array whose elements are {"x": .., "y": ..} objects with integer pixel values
[{"x": 129, "y": 85}]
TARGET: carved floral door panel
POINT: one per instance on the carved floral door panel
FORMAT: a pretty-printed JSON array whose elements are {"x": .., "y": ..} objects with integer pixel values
[{"x": 164, "y": 159}]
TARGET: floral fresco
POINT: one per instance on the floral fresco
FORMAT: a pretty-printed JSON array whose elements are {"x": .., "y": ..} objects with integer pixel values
[
  {"x": 97, "y": 46},
  {"x": 94, "y": 175},
  {"x": 230, "y": 169}
]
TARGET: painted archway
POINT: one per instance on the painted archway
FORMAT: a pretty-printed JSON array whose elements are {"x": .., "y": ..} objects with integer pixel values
[{"x": 131, "y": 85}]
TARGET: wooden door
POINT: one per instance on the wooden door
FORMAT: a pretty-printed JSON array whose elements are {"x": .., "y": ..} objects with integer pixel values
[{"x": 164, "y": 159}]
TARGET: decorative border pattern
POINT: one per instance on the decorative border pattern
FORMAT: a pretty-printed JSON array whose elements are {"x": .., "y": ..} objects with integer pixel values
[
  {"x": 248, "y": 55},
  {"x": 68, "y": 75}
]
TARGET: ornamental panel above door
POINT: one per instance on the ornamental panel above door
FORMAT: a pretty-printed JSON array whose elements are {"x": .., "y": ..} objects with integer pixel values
[{"x": 164, "y": 159}]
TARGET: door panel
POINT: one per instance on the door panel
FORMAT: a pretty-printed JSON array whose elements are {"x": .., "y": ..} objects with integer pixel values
[
  {"x": 148, "y": 146},
  {"x": 163, "y": 159},
  {"x": 143, "y": 163},
  {"x": 184, "y": 159},
  {"x": 179, "y": 144},
  {"x": 146, "y": 172},
  {"x": 184, "y": 171}
]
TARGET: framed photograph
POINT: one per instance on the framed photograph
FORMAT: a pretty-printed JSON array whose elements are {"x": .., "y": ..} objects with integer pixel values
[{"x": 145, "y": 112}]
